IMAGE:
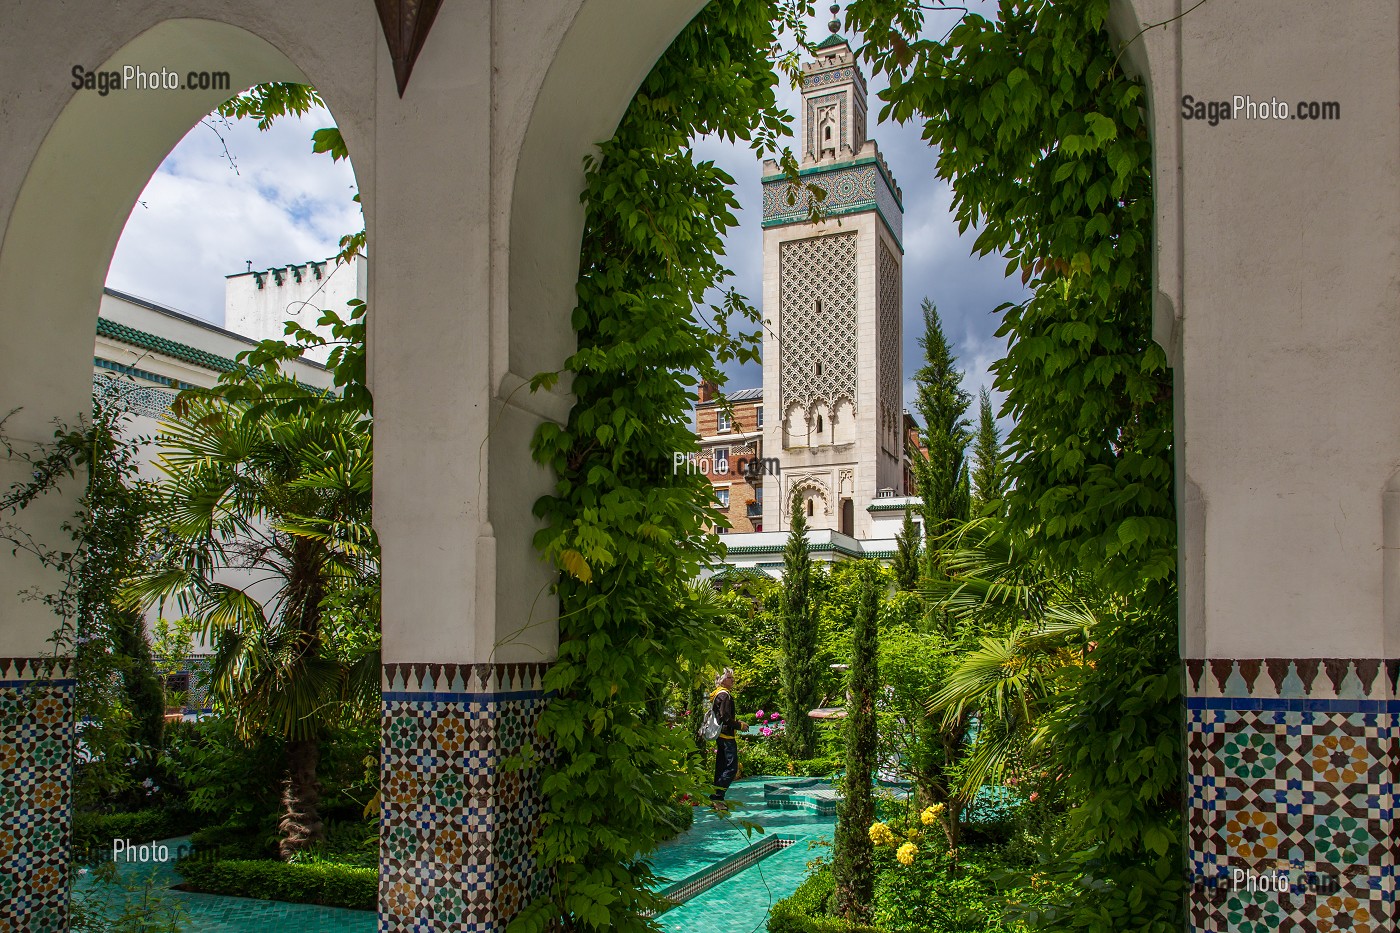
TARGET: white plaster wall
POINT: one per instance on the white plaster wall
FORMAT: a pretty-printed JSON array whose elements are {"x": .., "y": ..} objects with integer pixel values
[
  {"x": 1278, "y": 271},
  {"x": 262, "y": 313}
]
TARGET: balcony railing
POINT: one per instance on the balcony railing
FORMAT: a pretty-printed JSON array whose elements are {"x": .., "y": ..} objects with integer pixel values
[{"x": 755, "y": 510}]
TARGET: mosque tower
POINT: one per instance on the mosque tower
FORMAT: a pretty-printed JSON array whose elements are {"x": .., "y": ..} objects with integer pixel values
[{"x": 832, "y": 300}]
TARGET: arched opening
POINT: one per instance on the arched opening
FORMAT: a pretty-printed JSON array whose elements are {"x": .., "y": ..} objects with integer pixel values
[{"x": 90, "y": 162}]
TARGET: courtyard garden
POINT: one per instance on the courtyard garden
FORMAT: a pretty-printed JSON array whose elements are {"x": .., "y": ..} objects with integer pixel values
[{"x": 998, "y": 745}]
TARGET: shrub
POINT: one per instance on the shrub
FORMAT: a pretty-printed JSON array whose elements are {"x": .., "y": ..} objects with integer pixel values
[
  {"x": 231, "y": 841},
  {"x": 93, "y": 832},
  {"x": 929, "y": 896},
  {"x": 326, "y": 883}
]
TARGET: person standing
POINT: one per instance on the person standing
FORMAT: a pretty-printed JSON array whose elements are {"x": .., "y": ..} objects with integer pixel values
[{"x": 726, "y": 743}]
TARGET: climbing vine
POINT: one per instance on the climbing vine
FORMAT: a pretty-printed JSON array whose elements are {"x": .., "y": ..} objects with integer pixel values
[
  {"x": 1044, "y": 141},
  {"x": 626, "y": 530}
]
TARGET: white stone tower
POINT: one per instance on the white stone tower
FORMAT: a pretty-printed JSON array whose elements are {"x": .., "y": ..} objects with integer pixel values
[{"x": 832, "y": 299}]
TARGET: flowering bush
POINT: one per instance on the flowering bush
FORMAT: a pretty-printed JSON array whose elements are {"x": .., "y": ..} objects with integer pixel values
[
  {"x": 931, "y": 814},
  {"x": 881, "y": 834},
  {"x": 906, "y": 853}
]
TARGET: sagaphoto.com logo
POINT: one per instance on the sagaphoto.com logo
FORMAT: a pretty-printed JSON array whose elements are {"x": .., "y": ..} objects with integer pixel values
[{"x": 137, "y": 78}]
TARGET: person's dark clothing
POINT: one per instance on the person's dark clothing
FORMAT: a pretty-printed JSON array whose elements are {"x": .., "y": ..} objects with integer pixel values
[
  {"x": 726, "y": 747},
  {"x": 724, "y": 714},
  {"x": 726, "y": 766}
]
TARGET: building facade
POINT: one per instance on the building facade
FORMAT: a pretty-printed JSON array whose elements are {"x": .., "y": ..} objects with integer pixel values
[
  {"x": 259, "y": 303},
  {"x": 833, "y": 300}
]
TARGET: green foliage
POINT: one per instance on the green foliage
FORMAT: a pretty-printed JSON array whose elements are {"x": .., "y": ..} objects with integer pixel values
[
  {"x": 227, "y": 778},
  {"x": 932, "y": 895},
  {"x": 799, "y": 639},
  {"x": 912, "y": 664},
  {"x": 118, "y": 692},
  {"x": 940, "y": 473},
  {"x": 230, "y": 841},
  {"x": 264, "y": 481},
  {"x": 330, "y": 884},
  {"x": 856, "y": 811},
  {"x": 1044, "y": 141},
  {"x": 625, "y": 531},
  {"x": 906, "y": 558},
  {"x": 989, "y": 475},
  {"x": 136, "y": 903},
  {"x": 93, "y": 832},
  {"x": 1115, "y": 736}
]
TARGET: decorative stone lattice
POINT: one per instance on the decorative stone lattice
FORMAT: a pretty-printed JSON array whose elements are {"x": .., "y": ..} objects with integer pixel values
[
  {"x": 456, "y": 824},
  {"x": 36, "y": 788},
  {"x": 829, "y": 77},
  {"x": 138, "y": 399},
  {"x": 1291, "y": 775},
  {"x": 888, "y": 310},
  {"x": 817, "y": 337}
]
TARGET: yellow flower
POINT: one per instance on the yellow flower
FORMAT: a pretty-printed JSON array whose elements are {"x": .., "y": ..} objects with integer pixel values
[
  {"x": 906, "y": 853},
  {"x": 931, "y": 814},
  {"x": 880, "y": 834}
]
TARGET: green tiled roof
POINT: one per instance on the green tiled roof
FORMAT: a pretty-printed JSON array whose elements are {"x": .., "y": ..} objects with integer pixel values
[
  {"x": 831, "y": 40},
  {"x": 180, "y": 351}
]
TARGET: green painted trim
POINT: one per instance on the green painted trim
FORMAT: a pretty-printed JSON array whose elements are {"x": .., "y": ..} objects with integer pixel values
[
  {"x": 876, "y": 507},
  {"x": 841, "y": 166},
  {"x": 180, "y": 351},
  {"x": 854, "y": 209}
]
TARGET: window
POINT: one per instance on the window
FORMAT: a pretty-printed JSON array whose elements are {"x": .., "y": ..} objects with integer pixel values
[
  {"x": 722, "y": 421},
  {"x": 819, "y": 424},
  {"x": 722, "y": 498},
  {"x": 809, "y": 508},
  {"x": 818, "y": 367},
  {"x": 721, "y": 464},
  {"x": 758, "y": 415}
]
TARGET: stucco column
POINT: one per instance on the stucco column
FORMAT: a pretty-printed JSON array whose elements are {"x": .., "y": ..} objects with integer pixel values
[{"x": 1278, "y": 245}]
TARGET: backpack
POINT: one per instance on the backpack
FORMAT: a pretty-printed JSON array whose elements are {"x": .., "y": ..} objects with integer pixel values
[{"x": 711, "y": 729}]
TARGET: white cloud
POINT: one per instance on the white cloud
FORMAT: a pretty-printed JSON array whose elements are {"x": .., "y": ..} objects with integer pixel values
[{"x": 199, "y": 219}]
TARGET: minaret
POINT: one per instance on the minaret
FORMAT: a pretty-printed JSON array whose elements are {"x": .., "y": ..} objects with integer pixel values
[{"x": 832, "y": 298}]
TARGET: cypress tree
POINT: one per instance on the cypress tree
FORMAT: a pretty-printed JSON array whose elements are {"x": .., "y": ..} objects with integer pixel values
[
  {"x": 854, "y": 858},
  {"x": 941, "y": 476},
  {"x": 906, "y": 557},
  {"x": 989, "y": 477},
  {"x": 799, "y": 639}
]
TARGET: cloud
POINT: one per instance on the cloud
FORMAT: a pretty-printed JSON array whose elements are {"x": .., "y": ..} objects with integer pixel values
[{"x": 200, "y": 218}]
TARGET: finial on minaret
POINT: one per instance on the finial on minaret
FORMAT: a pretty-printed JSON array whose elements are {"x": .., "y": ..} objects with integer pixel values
[{"x": 835, "y": 24}]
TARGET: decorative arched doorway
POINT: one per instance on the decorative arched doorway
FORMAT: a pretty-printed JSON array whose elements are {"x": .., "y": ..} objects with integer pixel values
[{"x": 1275, "y": 262}]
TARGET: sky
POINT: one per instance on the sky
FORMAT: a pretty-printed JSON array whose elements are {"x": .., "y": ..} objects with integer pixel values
[{"x": 228, "y": 194}]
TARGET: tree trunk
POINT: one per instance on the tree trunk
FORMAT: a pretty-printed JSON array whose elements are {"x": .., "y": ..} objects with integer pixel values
[{"x": 301, "y": 824}]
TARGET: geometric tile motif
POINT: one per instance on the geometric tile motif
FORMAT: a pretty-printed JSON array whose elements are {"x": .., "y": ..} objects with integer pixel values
[
  {"x": 848, "y": 189},
  {"x": 456, "y": 823},
  {"x": 1302, "y": 790},
  {"x": 36, "y": 782}
]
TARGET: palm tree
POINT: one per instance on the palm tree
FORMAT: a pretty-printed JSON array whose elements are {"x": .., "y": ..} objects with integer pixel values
[
  {"x": 1032, "y": 623},
  {"x": 265, "y": 516}
]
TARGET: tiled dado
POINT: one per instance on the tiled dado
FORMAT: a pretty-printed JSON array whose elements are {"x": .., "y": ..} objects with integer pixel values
[
  {"x": 1291, "y": 771},
  {"x": 36, "y": 784},
  {"x": 456, "y": 826}
]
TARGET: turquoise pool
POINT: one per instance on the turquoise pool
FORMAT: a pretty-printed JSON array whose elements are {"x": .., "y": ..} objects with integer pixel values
[
  {"x": 757, "y": 870},
  {"x": 740, "y": 903}
]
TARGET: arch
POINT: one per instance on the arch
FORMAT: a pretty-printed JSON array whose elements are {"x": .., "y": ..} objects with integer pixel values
[{"x": 81, "y": 185}]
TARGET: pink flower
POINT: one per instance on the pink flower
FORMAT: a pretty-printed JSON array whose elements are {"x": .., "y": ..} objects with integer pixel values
[
  {"x": 1035, "y": 795},
  {"x": 760, "y": 714},
  {"x": 766, "y": 731}
]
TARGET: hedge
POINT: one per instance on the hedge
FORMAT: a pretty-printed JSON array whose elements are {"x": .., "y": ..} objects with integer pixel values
[
  {"x": 325, "y": 883},
  {"x": 93, "y": 832},
  {"x": 805, "y": 910}
]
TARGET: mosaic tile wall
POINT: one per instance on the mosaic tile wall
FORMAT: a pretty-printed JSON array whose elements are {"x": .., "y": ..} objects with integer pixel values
[
  {"x": 848, "y": 189},
  {"x": 1291, "y": 771},
  {"x": 36, "y": 756},
  {"x": 457, "y": 826}
]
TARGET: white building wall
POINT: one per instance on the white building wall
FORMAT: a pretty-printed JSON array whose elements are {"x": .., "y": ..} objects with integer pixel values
[{"x": 259, "y": 303}]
